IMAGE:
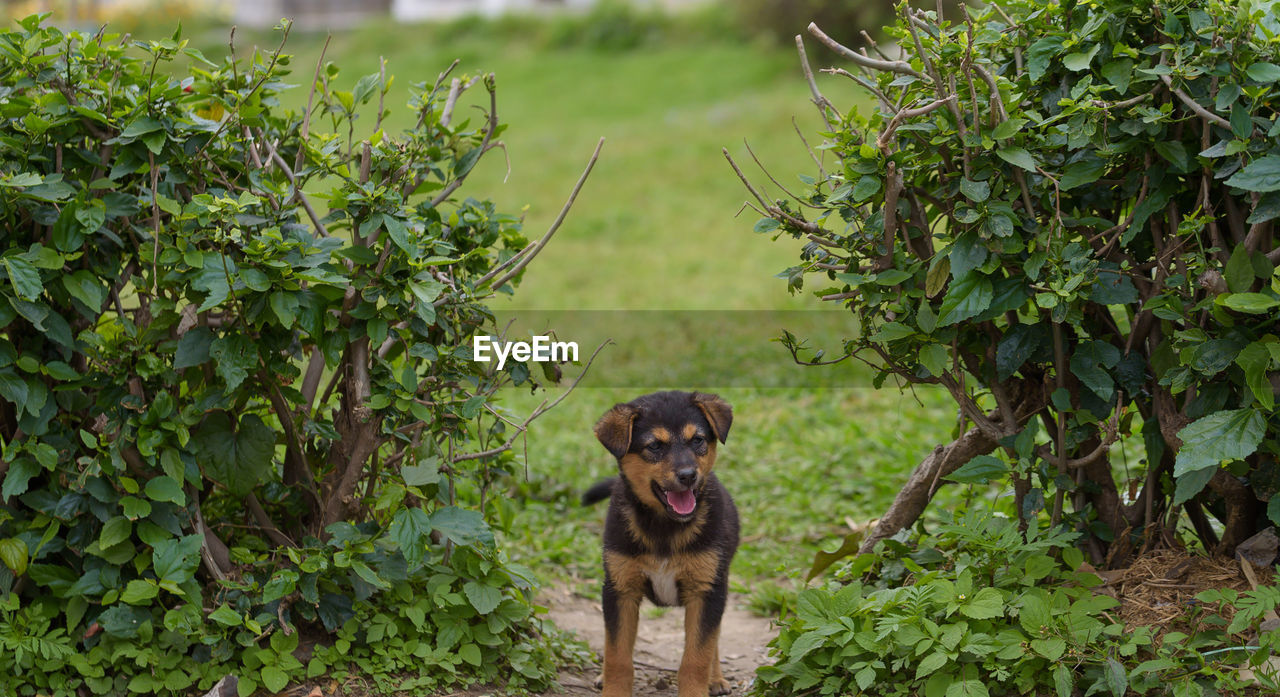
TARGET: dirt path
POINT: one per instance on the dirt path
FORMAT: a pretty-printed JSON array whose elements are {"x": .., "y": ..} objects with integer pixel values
[{"x": 660, "y": 642}]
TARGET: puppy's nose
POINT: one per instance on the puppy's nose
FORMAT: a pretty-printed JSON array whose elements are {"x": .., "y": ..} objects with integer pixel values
[{"x": 687, "y": 476}]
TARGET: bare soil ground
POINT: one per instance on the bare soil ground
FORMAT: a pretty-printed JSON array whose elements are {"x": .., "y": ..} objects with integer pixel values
[{"x": 660, "y": 643}]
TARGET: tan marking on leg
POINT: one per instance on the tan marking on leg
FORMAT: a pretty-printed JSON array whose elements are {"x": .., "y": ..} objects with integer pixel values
[
  {"x": 694, "y": 675},
  {"x": 619, "y": 671},
  {"x": 717, "y": 685}
]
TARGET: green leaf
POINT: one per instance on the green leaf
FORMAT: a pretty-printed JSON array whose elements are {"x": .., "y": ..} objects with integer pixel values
[
  {"x": 1112, "y": 288},
  {"x": 1019, "y": 157},
  {"x": 193, "y": 348},
  {"x": 975, "y": 191},
  {"x": 1080, "y": 60},
  {"x": 968, "y": 688},
  {"x": 13, "y": 552},
  {"x": 985, "y": 604},
  {"x": 462, "y": 525},
  {"x": 484, "y": 598},
  {"x": 114, "y": 532},
  {"x": 1117, "y": 680},
  {"x": 765, "y": 225},
  {"x": 234, "y": 357},
  {"x": 24, "y": 277},
  {"x": 141, "y": 126},
  {"x": 968, "y": 252},
  {"x": 931, "y": 663},
  {"x": 1040, "y": 54},
  {"x": 19, "y": 477},
  {"x": 176, "y": 559},
  {"x": 866, "y": 187},
  {"x": 227, "y": 616},
  {"x": 1175, "y": 153},
  {"x": 410, "y": 528},
  {"x": 1081, "y": 173},
  {"x": 1223, "y": 435},
  {"x": 84, "y": 286},
  {"x": 285, "y": 306},
  {"x": 1251, "y": 303},
  {"x": 1034, "y": 613},
  {"x": 139, "y": 592},
  {"x": 1263, "y": 174},
  {"x": 1051, "y": 648},
  {"x": 1239, "y": 271},
  {"x": 891, "y": 331},
  {"x": 365, "y": 573},
  {"x": 1255, "y": 361},
  {"x": 1063, "y": 680},
  {"x": 1021, "y": 341},
  {"x": 967, "y": 297},
  {"x": 164, "y": 488},
  {"x": 1007, "y": 128},
  {"x": 422, "y": 474},
  {"x": 980, "y": 470},
  {"x": 470, "y": 653},
  {"x": 135, "y": 508},
  {"x": 400, "y": 235},
  {"x": 1192, "y": 483},
  {"x": 934, "y": 358},
  {"x": 1265, "y": 73},
  {"x": 1119, "y": 73},
  {"x": 1273, "y": 509},
  {"x": 235, "y": 458}
]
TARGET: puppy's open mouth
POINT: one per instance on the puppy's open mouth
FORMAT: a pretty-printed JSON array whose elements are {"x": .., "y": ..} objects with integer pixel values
[{"x": 679, "y": 503}]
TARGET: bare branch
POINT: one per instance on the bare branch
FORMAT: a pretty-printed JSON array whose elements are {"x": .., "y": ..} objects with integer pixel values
[
  {"x": 306, "y": 118},
  {"x": 542, "y": 409},
  {"x": 528, "y": 253},
  {"x": 818, "y": 99},
  {"x": 873, "y": 63},
  {"x": 1195, "y": 106}
]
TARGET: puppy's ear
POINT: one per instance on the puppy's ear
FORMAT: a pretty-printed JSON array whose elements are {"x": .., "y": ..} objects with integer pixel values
[
  {"x": 614, "y": 429},
  {"x": 718, "y": 412}
]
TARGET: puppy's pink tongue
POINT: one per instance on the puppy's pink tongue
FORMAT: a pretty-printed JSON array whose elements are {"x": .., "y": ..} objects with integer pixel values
[{"x": 682, "y": 501}]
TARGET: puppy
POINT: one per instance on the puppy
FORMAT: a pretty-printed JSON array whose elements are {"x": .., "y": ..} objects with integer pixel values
[{"x": 670, "y": 533}]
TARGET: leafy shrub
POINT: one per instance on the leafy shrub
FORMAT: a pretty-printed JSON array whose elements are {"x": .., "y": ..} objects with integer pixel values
[
  {"x": 984, "y": 612},
  {"x": 1064, "y": 214},
  {"x": 237, "y": 404}
]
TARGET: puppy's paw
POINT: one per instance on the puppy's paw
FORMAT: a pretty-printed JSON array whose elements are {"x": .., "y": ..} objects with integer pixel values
[
  {"x": 719, "y": 687},
  {"x": 599, "y": 682}
]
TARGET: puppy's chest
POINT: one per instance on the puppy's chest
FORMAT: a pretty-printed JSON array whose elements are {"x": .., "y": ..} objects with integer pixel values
[
  {"x": 662, "y": 579},
  {"x": 666, "y": 580}
]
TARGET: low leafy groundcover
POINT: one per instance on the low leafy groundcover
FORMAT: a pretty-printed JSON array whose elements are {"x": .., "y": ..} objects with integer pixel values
[
  {"x": 973, "y": 609},
  {"x": 241, "y": 432}
]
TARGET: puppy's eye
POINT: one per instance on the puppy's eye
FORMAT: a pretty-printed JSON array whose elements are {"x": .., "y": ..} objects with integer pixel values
[
  {"x": 654, "y": 447},
  {"x": 697, "y": 441}
]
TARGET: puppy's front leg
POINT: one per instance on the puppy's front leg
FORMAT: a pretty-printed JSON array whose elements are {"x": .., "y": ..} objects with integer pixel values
[
  {"x": 621, "y": 617},
  {"x": 701, "y": 642}
]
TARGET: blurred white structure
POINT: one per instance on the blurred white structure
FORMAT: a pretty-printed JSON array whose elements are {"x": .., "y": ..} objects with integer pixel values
[{"x": 449, "y": 9}]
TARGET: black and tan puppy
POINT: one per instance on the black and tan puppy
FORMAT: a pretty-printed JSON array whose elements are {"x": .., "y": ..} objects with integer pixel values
[{"x": 670, "y": 533}]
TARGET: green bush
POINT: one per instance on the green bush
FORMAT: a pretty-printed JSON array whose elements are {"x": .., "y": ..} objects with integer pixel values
[
  {"x": 1065, "y": 215},
  {"x": 984, "y": 611},
  {"x": 237, "y": 406}
]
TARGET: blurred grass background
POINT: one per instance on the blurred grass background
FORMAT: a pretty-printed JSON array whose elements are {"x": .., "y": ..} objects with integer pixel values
[{"x": 655, "y": 228}]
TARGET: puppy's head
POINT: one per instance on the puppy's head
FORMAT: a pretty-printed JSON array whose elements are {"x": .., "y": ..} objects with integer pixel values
[{"x": 665, "y": 443}]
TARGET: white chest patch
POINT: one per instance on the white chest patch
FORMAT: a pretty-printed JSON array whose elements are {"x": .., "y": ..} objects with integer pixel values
[{"x": 664, "y": 585}]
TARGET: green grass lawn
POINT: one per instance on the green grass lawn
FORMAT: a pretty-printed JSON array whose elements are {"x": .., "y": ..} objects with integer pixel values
[{"x": 656, "y": 228}]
